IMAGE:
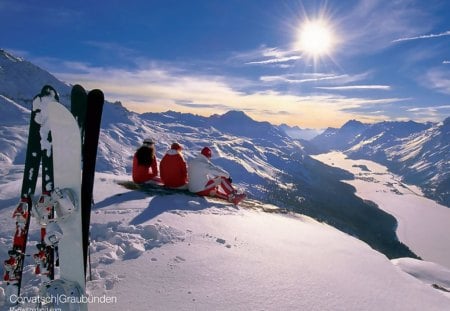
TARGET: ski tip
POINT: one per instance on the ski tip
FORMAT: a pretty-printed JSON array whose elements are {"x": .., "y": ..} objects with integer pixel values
[
  {"x": 96, "y": 93},
  {"x": 78, "y": 89}
]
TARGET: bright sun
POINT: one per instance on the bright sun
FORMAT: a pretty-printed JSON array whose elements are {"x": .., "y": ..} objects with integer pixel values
[{"x": 315, "y": 38}]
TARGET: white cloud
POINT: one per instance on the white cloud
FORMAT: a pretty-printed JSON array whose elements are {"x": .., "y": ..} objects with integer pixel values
[
  {"x": 316, "y": 77},
  {"x": 429, "y": 36},
  {"x": 431, "y": 113},
  {"x": 430, "y": 108},
  {"x": 267, "y": 56},
  {"x": 371, "y": 25},
  {"x": 355, "y": 87},
  {"x": 275, "y": 60},
  {"x": 292, "y": 79},
  {"x": 438, "y": 79}
]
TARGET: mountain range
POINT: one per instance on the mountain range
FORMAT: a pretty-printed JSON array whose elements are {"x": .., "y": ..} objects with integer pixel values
[
  {"x": 271, "y": 165},
  {"x": 420, "y": 153}
]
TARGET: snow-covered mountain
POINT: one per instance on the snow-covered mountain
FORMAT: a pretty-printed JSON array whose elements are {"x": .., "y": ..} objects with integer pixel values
[
  {"x": 269, "y": 164},
  {"x": 333, "y": 138},
  {"x": 418, "y": 152},
  {"x": 299, "y": 133},
  {"x": 200, "y": 254},
  {"x": 21, "y": 80}
]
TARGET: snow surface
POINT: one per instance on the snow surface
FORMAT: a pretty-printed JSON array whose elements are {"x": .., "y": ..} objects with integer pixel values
[
  {"x": 180, "y": 252},
  {"x": 423, "y": 224}
]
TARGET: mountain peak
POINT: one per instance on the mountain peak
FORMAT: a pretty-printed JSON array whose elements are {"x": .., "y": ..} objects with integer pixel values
[
  {"x": 21, "y": 80},
  {"x": 236, "y": 115},
  {"x": 9, "y": 56},
  {"x": 353, "y": 124}
]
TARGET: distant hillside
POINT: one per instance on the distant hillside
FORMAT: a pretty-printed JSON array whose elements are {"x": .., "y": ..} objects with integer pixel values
[{"x": 299, "y": 133}]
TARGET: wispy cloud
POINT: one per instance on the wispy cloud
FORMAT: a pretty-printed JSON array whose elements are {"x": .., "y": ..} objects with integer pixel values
[
  {"x": 267, "y": 56},
  {"x": 275, "y": 60},
  {"x": 371, "y": 25},
  {"x": 438, "y": 79},
  {"x": 431, "y": 113},
  {"x": 291, "y": 79},
  {"x": 355, "y": 87},
  {"x": 328, "y": 78},
  {"x": 429, "y": 109},
  {"x": 220, "y": 107},
  {"x": 429, "y": 36},
  {"x": 446, "y": 62}
]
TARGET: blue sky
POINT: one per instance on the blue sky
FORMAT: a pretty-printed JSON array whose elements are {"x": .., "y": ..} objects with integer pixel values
[{"x": 369, "y": 60}]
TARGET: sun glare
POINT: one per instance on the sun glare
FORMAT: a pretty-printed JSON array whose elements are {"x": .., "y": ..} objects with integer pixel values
[{"x": 315, "y": 38}]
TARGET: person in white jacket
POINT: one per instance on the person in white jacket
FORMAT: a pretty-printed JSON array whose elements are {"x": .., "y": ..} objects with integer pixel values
[{"x": 207, "y": 179}]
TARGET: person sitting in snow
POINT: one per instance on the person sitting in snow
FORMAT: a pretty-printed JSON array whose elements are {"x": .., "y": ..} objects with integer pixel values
[
  {"x": 172, "y": 168},
  {"x": 207, "y": 179},
  {"x": 145, "y": 164}
]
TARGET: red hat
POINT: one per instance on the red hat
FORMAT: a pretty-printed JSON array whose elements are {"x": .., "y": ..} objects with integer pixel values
[
  {"x": 207, "y": 152},
  {"x": 176, "y": 146}
]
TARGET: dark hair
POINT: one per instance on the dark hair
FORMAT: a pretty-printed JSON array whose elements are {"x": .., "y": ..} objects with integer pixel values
[{"x": 145, "y": 155}]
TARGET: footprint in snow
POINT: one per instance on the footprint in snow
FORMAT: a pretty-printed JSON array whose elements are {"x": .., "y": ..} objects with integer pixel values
[{"x": 179, "y": 259}]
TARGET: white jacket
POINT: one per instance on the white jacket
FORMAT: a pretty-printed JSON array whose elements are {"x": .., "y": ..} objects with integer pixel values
[{"x": 200, "y": 171}]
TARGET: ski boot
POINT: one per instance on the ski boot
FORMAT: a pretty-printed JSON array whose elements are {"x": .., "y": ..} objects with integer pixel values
[{"x": 235, "y": 197}]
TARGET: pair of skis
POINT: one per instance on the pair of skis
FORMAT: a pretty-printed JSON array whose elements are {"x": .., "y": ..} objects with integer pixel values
[{"x": 56, "y": 139}]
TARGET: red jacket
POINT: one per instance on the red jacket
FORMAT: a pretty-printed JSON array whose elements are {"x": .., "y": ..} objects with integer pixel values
[
  {"x": 173, "y": 169},
  {"x": 143, "y": 173}
]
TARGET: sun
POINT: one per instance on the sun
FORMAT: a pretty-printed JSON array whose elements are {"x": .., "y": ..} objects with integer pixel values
[{"x": 315, "y": 38}]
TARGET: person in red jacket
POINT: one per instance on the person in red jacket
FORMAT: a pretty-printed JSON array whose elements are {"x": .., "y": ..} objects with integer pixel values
[
  {"x": 145, "y": 164},
  {"x": 173, "y": 168}
]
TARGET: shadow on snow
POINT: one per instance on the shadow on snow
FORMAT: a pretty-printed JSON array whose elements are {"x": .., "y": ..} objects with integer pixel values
[{"x": 162, "y": 203}]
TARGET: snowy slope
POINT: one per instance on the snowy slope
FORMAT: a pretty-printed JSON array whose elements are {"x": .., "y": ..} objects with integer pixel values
[
  {"x": 423, "y": 224},
  {"x": 12, "y": 136},
  {"x": 218, "y": 258},
  {"x": 179, "y": 252},
  {"x": 20, "y": 80}
]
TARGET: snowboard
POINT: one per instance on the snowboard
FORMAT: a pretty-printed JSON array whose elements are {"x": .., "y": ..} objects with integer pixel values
[
  {"x": 156, "y": 187},
  {"x": 66, "y": 230}
]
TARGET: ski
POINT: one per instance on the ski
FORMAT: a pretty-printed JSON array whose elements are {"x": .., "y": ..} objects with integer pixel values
[
  {"x": 44, "y": 259},
  {"x": 38, "y": 147},
  {"x": 43, "y": 209},
  {"x": 78, "y": 99},
  {"x": 95, "y": 101}
]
